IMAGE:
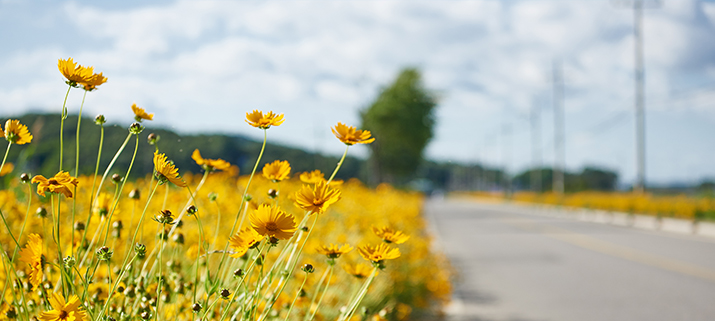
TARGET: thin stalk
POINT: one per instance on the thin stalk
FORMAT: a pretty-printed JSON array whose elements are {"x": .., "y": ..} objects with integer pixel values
[
  {"x": 325, "y": 289},
  {"x": 94, "y": 181},
  {"x": 158, "y": 287},
  {"x": 121, "y": 188},
  {"x": 76, "y": 166},
  {"x": 238, "y": 287},
  {"x": 297, "y": 294},
  {"x": 340, "y": 163},
  {"x": 27, "y": 216},
  {"x": 360, "y": 295},
  {"x": 62, "y": 126},
  {"x": 5, "y": 157}
]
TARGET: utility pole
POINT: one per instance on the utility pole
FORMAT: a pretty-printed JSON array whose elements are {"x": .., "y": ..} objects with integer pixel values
[
  {"x": 638, "y": 6},
  {"x": 536, "y": 148},
  {"x": 559, "y": 154},
  {"x": 506, "y": 158}
]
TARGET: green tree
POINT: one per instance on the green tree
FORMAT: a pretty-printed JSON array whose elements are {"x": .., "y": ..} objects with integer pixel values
[{"x": 402, "y": 121}]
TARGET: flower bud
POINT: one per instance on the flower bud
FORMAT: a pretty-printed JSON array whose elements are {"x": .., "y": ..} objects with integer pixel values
[
  {"x": 134, "y": 194},
  {"x": 41, "y": 212},
  {"x": 79, "y": 226},
  {"x": 100, "y": 120},
  {"x": 104, "y": 254},
  {"x": 238, "y": 273},
  {"x": 191, "y": 210},
  {"x": 24, "y": 178},
  {"x": 136, "y": 128},
  {"x": 178, "y": 238},
  {"x": 308, "y": 268},
  {"x": 196, "y": 307},
  {"x": 225, "y": 293},
  {"x": 248, "y": 198},
  {"x": 272, "y": 193},
  {"x": 116, "y": 178},
  {"x": 140, "y": 249},
  {"x": 213, "y": 196},
  {"x": 152, "y": 139},
  {"x": 69, "y": 262}
]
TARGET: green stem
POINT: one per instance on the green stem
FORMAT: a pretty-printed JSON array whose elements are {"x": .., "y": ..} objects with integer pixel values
[
  {"x": 62, "y": 125},
  {"x": 27, "y": 216},
  {"x": 114, "y": 288},
  {"x": 360, "y": 295},
  {"x": 8, "y": 229},
  {"x": 111, "y": 164},
  {"x": 94, "y": 181},
  {"x": 296, "y": 297},
  {"x": 325, "y": 289},
  {"x": 340, "y": 163},
  {"x": 158, "y": 287},
  {"x": 243, "y": 200},
  {"x": 7, "y": 151},
  {"x": 245, "y": 275},
  {"x": 121, "y": 188},
  {"x": 76, "y": 165}
]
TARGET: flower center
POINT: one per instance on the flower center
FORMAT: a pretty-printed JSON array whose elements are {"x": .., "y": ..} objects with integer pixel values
[
  {"x": 271, "y": 226},
  {"x": 63, "y": 315},
  {"x": 53, "y": 181}
]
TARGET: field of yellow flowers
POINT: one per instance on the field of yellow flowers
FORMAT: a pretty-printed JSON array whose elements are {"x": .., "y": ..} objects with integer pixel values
[
  {"x": 213, "y": 245},
  {"x": 675, "y": 206}
]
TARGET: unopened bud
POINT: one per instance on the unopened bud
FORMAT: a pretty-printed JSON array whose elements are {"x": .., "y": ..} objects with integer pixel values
[
  {"x": 308, "y": 268},
  {"x": 152, "y": 139},
  {"x": 24, "y": 178},
  {"x": 136, "y": 128},
  {"x": 134, "y": 194},
  {"x": 100, "y": 120},
  {"x": 41, "y": 212},
  {"x": 116, "y": 178}
]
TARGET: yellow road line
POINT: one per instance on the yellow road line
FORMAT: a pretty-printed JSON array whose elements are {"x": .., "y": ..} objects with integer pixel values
[{"x": 614, "y": 250}]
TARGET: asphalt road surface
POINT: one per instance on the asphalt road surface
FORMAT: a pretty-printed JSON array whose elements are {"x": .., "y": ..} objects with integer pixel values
[{"x": 517, "y": 266}]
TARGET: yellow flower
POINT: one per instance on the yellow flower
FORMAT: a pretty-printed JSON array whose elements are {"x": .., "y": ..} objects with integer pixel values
[
  {"x": 350, "y": 136},
  {"x": 61, "y": 183},
  {"x": 62, "y": 310},
  {"x": 210, "y": 164},
  {"x": 244, "y": 240},
  {"x": 312, "y": 177},
  {"x": 277, "y": 171},
  {"x": 257, "y": 119},
  {"x": 32, "y": 255},
  {"x": 16, "y": 133},
  {"x": 389, "y": 235},
  {"x": 166, "y": 171},
  {"x": 359, "y": 270},
  {"x": 379, "y": 253},
  {"x": 316, "y": 199},
  {"x": 92, "y": 83},
  {"x": 271, "y": 221},
  {"x": 333, "y": 251},
  {"x": 73, "y": 72},
  {"x": 140, "y": 113},
  {"x": 7, "y": 169}
]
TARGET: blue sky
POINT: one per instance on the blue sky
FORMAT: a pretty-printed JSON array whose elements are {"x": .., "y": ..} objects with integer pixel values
[{"x": 200, "y": 65}]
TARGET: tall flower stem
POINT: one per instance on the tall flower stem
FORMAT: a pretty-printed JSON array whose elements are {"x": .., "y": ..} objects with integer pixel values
[
  {"x": 325, "y": 289},
  {"x": 111, "y": 164},
  {"x": 121, "y": 188},
  {"x": 247, "y": 274},
  {"x": 159, "y": 285},
  {"x": 297, "y": 294},
  {"x": 358, "y": 298},
  {"x": 27, "y": 215},
  {"x": 243, "y": 201},
  {"x": 76, "y": 164},
  {"x": 94, "y": 181},
  {"x": 62, "y": 125},
  {"x": 340, "y": 163},
  {"x": 4, "y": 158}
]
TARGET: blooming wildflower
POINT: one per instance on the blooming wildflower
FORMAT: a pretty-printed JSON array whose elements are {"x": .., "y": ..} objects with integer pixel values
[
  {"x": 312, "y": 177},
  {"x": 350, "y": 136},
  {"x": 277, "y": 171},
  {"x": 209, "y": 165},
  {"x": 271, "y": 221},
  {"x": 257, "y": 119},
  {"x": 379, "y": 253},
  {"x": 140, "y": 113},
  {"x": 32, "y": 255},
  {"x": 359, "y": 270},
  {"x": 390, "y": 235},
  {"x": 16, "y": 133},
  {"x": 333, "y": 251},
  {"x": 316, "y": 199},
  {"x": 7, "y": 169},
  {"x": 166, "y": 171},
  {"x": 62, "y": 310},
  {"x": 61, "y": 183},
  {"x": 243, "y": 240},
  {"x": 73, "y": 72},
  {"x": 92, "y": 83}
]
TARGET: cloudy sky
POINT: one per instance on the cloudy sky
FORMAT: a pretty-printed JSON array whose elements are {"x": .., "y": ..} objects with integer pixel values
[{"x": 200, "y": 66}]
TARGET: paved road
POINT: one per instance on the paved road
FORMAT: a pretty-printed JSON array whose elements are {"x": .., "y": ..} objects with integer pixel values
[{"x": 517, "y": 266}]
